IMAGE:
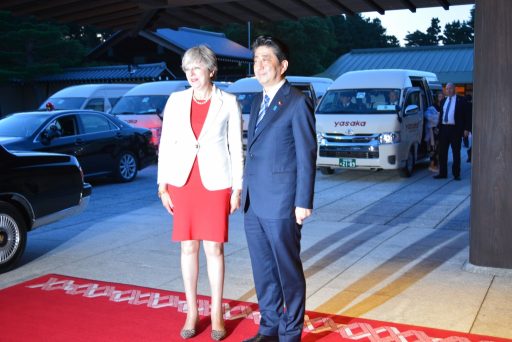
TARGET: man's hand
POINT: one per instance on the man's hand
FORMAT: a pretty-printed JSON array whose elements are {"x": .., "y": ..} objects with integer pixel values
[{"x": 301, "y": 214}]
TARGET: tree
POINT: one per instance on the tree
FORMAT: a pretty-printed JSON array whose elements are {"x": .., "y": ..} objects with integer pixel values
[
  {"x": 458, "y": 32},
  {"x": 431, "y": 37},
  {"x": 29, "y": 49},
  {"x": 316, "y": 42}
]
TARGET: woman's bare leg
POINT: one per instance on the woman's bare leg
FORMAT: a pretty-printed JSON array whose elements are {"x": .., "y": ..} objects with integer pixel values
[
  {"x": 190, "y": 271},
  {"x": 214, "y": 252}
]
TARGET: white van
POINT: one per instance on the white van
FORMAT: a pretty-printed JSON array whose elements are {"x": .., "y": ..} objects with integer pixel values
[
  {"x": 246, "y": 88},
  {"x": 374, "y": 119},
  {"x": 100, "y": 97},
  {"x": 143, "y": 105}
]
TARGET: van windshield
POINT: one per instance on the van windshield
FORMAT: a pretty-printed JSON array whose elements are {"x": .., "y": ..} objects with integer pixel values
[
  {"x": 359, "y": 101},
  {"x": 140, "y": 105},
  {"x": 64, "y": 103},
  {"x": 245, "y": 101}
]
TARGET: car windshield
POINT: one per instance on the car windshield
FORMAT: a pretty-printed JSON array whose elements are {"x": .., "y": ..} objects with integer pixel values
[
  {"x": 245, "y": 101},
  {"x": 140, "y": 104},
  {"x": 359, "y": 101},
  {"x": 63, "y": 103},
  {"x": 21, "y": 125}
]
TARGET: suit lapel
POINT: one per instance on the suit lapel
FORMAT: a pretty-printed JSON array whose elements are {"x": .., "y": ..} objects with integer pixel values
[
  {"x": 274, "y": 109},
  {"x": 187, "y": 107},
  {"x": 253, "y": 118},
  {"x": 215, "y": 105}
]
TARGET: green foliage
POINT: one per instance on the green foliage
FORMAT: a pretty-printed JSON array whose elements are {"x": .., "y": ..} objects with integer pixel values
[
  {"x": 29, "y": 49},
  {"x": 458, "y": 32},
  {"x": 431, "y": 37},
  {"x": 315, "y": 42}
]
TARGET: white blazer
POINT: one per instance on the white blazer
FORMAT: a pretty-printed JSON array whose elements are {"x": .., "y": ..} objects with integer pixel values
[{"x": 218, "y": 147}]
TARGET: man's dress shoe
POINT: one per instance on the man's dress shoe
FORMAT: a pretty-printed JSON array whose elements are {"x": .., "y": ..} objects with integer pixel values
[{"x": 263, "y": 338}]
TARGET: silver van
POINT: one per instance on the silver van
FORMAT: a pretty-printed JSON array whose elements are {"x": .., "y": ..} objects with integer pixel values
[
  {"x": 143, "y": 105},
  {"x": 246, "y": 88},
  {"x": 100, "y": 97}
]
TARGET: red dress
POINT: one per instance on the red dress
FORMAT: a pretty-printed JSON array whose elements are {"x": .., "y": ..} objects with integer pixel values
[{"x": 199, "y": 214}]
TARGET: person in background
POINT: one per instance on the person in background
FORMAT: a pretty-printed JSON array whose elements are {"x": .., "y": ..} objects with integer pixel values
[
  {"x": 200, "y": 166},
  {"x": 278, "y": 192},
  {"x": 346, "y": 103},
  {"x": 434, "y": 150},
  {"x": 468, "y": 141},
  {"x": 394, "y": 98},
  {"x": 453, "y": 125}
]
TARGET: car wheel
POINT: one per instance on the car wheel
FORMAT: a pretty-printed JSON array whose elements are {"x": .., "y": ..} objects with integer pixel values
[
  {"x": 13, "y": 236},
  {"x": 126, "y": 167},
  {"x": 407, "y": 170},
  {"x": 326, "y": 170}
]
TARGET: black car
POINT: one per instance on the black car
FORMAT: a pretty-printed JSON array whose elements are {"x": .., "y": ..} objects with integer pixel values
[
  {"x": 103, "y": 144},
  {"x": 35, "y": 189}
]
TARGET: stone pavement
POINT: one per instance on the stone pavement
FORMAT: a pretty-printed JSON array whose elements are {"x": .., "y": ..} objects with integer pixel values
[{"x": 378, "y": 246}]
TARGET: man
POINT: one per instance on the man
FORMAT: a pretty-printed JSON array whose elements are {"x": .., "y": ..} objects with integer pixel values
[
  {"x": 453, "y": 125},
  {"x": 346, "y": 103},
  {"x": 278, "y": 192},
  {"x": 393, "y": 97}
]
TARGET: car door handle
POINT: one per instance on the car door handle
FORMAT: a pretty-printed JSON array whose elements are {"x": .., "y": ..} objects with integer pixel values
[{"x": 79, "y": 141}]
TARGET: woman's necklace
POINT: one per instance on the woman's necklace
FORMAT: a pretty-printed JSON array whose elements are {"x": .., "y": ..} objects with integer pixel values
[{"x": 203, "y": 101}]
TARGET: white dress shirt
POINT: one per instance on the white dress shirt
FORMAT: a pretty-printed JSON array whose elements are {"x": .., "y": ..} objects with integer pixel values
[{"x": 451, "y": 111}]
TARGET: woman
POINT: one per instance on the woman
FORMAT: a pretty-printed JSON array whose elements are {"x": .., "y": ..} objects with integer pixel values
[
  {"x": 433, "y": 150},
  {"x": 200, "y": 169}
]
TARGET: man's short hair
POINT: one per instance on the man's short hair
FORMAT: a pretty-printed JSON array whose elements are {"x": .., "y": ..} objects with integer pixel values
[{"x": 280, "y": 48}]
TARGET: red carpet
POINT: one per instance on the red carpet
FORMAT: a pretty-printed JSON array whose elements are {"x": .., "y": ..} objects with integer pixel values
[{"x": 61, "y": 308}]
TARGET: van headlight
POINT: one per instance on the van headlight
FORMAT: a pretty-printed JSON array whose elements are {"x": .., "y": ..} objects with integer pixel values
[
  {"x": 389, "y": 138},
  {"x": 320, "y": 139}
]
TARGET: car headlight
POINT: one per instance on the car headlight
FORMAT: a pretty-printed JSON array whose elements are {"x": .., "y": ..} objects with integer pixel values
[{"x": 389, "y": 138}]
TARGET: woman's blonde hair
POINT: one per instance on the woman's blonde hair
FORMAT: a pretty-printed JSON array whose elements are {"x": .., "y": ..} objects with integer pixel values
[{"x": 201, "y": 54}]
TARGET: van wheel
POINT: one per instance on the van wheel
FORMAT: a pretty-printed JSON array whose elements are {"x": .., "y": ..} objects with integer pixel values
[
  {"x": 126, "y": 167},
  {"x": 13, "y": 236},
  {"x": 407, "y": 170},
  {"x": 326, "y": 170}
]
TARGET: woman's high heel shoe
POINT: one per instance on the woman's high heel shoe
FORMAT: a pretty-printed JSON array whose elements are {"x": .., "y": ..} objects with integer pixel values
[
  {"x": 187, "y": 333},
  {"x": 218, "y": 335}
]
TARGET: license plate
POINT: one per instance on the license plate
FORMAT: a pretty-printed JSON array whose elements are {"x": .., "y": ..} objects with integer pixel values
[{"x": 347, "y": 162}]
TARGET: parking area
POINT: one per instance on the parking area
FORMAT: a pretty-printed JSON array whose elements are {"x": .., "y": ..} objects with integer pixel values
[{"x": 378, "y": 246}]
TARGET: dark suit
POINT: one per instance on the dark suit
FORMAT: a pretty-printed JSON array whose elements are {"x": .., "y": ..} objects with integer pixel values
[
  {"x": 279, "y": 176},
  {"x": 451, "y": 135}
]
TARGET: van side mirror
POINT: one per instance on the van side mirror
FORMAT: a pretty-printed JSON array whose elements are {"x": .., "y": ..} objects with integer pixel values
[{"x": 411, "y": 109}]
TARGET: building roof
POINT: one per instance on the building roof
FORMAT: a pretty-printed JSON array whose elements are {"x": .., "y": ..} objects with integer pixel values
[
  {"x": 185, "y": 38},
  {"x": 148, "y": 15},
  {"x": 115, "y": 73},
  {"x": 451, "y": 63}
]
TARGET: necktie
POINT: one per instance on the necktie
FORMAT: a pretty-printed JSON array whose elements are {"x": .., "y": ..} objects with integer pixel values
[
  {"x": 445, "y": 119},
  {"x": 263, "y": 110}
]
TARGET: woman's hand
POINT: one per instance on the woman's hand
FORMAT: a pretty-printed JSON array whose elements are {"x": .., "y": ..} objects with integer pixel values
[
  {"x": 166, "y": 200},
  {"x": 235, "y": 201}
]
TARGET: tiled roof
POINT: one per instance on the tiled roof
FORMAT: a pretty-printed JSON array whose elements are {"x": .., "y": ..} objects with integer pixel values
[
  {"x": 185, "y": 38},
  {"x": 115, "y": 73},
  {"x": 451, "y": 63}
]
